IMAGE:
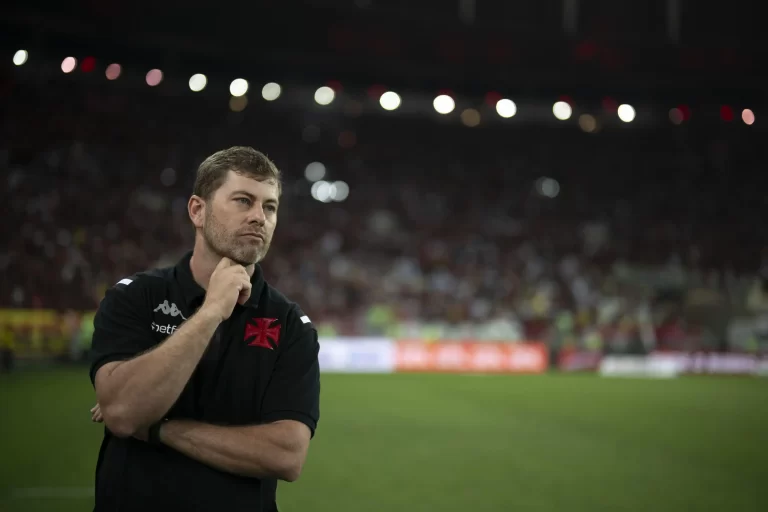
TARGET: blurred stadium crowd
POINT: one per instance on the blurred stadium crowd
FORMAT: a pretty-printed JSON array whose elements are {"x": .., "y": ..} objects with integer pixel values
[{"x": 624, "y": 240}]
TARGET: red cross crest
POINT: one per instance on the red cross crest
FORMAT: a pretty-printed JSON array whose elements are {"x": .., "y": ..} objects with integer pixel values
[{"x": 258, "y": 333}]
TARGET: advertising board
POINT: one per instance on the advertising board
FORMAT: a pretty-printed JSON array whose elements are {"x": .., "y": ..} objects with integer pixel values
[
  {"x": 470, "y": 357},
  {"x": 578, "y": 361},
  {"x": 710, "y": 363},
  {"x": 356, "y": 355},
  {"x": 637, "y": 366}
]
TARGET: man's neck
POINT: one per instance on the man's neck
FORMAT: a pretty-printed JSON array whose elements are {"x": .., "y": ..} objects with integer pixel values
[{"x": 203, "y": 263}]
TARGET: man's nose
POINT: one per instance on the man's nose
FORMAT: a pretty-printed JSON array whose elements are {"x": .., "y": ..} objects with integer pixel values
[{"x": 257, "y": 214}]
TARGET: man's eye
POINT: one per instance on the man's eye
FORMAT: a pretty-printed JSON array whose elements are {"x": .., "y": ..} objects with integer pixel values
[
  {"x": 244, "y": 200},
  {"x": 272, "y": 208}
]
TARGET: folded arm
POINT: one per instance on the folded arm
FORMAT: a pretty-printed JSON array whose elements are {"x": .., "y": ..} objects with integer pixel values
[
  {"x": 134, "y": 394},
  {"x": 273, "y": 450}
]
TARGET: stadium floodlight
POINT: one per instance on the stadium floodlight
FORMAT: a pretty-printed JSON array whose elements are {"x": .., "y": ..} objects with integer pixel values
[
  {"x": 324, "y": 95},
  {"x": 444, "y": 104},
  {"x": 238, "y": 87},
  {"x": 323, "y": 191},
  {"x": 198, "y": 82},
  {"x": 271, "y": 91},
  {"x": 154, "y": 77},
  {"x": 341, "y": 191},
  {"x": 562, "y": 110},
  {"x": 626, "y": 113},
  {"x": 548, "y": 187},
  {"x": 390, "y": 100},
  {"x": 314, "y": 171},
  {"x": 748, "y": 117},
  {"x": 69, "y": 64},
  {"x": 506, "y": 108},
  {"x": 113, "y": 71},
  {"x": 20, "y": 57}
]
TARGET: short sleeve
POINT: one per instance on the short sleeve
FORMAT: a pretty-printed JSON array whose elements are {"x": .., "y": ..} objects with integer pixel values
[
  {"x": 293, "y": 392},
  {"x": 121, "y": 325}
]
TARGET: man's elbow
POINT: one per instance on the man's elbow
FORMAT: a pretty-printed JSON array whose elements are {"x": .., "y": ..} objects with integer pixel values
[
  {"x": 291, "y": 464},
  {"x": 295, "y": 445},
  {"x": 117, "y": 417},
  {"x": 119, "y": 422},
  {"x": 291, "y": 470}
]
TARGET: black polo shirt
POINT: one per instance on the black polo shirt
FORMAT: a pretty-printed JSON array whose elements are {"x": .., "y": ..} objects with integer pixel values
[{"x": 260, "y": 366}]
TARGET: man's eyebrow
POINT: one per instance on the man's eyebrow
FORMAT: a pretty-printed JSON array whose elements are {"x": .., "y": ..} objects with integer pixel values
[{"x": 253, "y": 197}]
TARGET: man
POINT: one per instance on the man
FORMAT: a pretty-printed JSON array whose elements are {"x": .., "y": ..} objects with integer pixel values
[{"x": 206, "y": 377}]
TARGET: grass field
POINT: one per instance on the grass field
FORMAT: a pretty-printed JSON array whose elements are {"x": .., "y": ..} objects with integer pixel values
[{"x": 451, "y": 443}]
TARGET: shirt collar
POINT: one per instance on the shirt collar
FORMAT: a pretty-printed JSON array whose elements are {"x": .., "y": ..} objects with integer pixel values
[{"x": 193, "y": 292}]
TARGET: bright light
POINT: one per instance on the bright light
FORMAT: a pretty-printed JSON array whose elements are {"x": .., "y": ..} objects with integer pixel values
[
  {"x": 548, "y": 187},
  {"x": 389, "y": 100},
  {"x": 562, "y": 110},
  {"x": 626, "y": 113},
  {"x": 20, "y": 57},
  {"x": 341, "y": 191},
  {"x": 314, "y": 171},
  {"x": 748, "y": 116},
  {"x": 69, "y": 64},
  {"x": 198, "y": 82},
  {"x": 470, "y": 117},
  {"x": 444, "y": 104},
  {"x": 238, "y": 87},
  {"x": 506, "y": 108},
  {"x": 271, "y": 91},
  {"x": 154, "y": 77},
  {"x": 587, "y": 123},
  {"x": 675, "y": 115},
  {"x": 323, "y": 191},
  {"x": 113, "y": 71},
  {"x": 324, "y": 95}
]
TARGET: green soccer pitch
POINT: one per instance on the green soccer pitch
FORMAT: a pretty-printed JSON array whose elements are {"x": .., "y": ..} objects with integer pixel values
[{"x": 443, "y": 443}]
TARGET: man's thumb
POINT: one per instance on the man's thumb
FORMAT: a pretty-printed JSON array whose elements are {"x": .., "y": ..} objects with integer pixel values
[{"x": 225, "y": 262}]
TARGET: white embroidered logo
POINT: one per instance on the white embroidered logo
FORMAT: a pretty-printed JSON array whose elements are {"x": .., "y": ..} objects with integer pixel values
[{"x": 169, "y": 309}]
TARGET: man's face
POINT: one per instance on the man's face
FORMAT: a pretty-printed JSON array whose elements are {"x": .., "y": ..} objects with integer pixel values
[{"x": 240, "y": 219}]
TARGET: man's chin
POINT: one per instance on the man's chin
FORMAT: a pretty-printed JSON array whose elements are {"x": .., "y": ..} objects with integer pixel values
[{"x": 249, "y": 258}]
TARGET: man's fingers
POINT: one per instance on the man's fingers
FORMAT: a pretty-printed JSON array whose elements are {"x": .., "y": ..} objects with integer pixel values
[
  {"x": 224, "y": 263},
  {"x": 245, "y": 292}
]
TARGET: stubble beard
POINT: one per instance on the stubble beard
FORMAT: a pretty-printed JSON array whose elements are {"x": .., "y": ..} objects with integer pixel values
[{"x": 228, "y": 245}]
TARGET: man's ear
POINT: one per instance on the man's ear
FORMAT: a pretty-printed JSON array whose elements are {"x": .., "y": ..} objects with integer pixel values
[{"x": 196, "y": 209}]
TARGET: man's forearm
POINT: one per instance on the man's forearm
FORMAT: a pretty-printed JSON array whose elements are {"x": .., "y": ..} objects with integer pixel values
[
  {"x": 273, "y": 450},
  {"x": 136, "y": 393}
]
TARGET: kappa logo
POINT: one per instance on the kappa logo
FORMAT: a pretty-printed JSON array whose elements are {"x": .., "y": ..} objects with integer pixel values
[
  {"x": 169, "y": 309},
  {"x": 259, "y": 332}
]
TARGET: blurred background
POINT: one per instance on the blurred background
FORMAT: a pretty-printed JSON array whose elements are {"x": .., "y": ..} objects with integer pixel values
[{"x": 546, "y": 194}]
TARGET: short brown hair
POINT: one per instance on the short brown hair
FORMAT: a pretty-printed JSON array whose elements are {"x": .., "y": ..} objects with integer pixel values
[{"x": 241, "y": 159}]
